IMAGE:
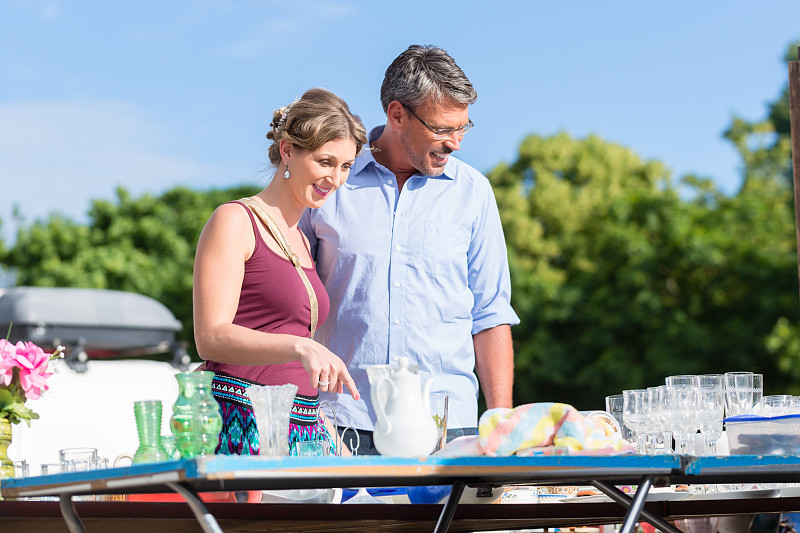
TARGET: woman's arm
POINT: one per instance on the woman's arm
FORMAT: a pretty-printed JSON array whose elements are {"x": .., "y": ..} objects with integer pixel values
[{"x": 226, "y": 242}]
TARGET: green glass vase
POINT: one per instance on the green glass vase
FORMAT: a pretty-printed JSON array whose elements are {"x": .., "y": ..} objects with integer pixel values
[
  {"x": 196, "y": 420},
  {"x": 148, "y": 425},
  {"x": 6, "y": 464}
]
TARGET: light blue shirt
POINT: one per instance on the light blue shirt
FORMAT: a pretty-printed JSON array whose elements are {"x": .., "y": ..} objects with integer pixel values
[{"x": 413, "y": 273}]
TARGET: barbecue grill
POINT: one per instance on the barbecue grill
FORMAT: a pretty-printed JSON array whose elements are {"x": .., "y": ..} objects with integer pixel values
[{"x": 91, "y": 323}]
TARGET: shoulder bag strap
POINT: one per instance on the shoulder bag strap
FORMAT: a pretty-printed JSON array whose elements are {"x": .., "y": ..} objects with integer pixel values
[{"x": 262, "y": 214}]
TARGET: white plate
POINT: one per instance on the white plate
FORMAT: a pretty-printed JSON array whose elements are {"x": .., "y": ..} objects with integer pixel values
[{"x": 737, "y": 495}]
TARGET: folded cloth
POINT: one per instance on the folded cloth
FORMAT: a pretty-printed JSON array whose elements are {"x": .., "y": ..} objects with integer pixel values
[{"x": 504, "y": 431}]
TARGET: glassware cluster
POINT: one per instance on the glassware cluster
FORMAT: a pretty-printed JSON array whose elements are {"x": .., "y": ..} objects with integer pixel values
[{"x": 667, "y": 418}]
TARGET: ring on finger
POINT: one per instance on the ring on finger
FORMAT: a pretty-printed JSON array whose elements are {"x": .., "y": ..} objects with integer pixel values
[{"x": 323, "y": 383}]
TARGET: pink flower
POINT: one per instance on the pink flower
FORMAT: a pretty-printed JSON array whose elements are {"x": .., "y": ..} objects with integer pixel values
[
  {"x": 7, "y": 357},
  {"x": 33, "y": 365}
]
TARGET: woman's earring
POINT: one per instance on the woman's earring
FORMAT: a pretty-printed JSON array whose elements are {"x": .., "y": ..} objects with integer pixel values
[{"x": 286, "y": 174}]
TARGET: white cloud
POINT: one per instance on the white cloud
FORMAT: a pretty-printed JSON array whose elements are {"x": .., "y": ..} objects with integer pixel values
[
  {"x": 56, "y": 156},
  {"x": 290, "y": 20}
]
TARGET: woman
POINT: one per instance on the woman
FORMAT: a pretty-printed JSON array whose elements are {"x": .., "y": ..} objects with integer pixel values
[{"x": 253, "y": 309}]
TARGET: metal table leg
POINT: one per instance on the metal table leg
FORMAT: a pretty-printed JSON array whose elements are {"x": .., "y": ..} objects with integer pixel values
[
  {"x": 635, "y": 506},
  {"x": 207, "y": 521},
  {"x": 74, "y": 523},
  {"x": 449, "y": 509}
]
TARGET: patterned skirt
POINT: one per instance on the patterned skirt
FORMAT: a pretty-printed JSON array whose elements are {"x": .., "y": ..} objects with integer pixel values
[{"x": 239, "y": 435}]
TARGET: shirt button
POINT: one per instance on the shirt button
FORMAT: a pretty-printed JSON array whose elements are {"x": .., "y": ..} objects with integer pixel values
[
  {"x": 398, "y": 248},
  {"x": 389, "y": 182},
  {"x": 396, "y": 283},
  {"x": 396, "y": 320}
]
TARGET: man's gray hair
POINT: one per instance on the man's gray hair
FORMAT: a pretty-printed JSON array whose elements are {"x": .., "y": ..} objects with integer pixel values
[{"x": 426, "y": 73}]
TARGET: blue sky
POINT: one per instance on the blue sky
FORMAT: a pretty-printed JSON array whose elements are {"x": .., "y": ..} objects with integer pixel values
[{"x": 152, "y": 94}]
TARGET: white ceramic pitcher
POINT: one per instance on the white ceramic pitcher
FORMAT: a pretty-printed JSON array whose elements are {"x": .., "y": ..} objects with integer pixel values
[{"x": 405, "y": 427}]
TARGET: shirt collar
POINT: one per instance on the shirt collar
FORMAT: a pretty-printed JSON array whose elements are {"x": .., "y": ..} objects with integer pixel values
[{"x": 366, "y": 159}]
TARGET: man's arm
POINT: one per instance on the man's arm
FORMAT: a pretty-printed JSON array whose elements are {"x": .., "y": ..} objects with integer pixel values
[{"x": 494, "y": 361}]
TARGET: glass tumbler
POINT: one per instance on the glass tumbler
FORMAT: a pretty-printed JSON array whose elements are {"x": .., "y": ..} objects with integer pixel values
[{"x": 740, "y": 395}]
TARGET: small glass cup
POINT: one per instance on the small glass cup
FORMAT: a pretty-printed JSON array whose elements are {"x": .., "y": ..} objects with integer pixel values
[
  {"x": 170, "y": 446},
  {"x": 774, "y": 405},
  {"x": 77, "y": 459},
  {"x": 50, "y": 468},
  {"x": 21, "y": 468},
  {"x": 313, "y": 448}
]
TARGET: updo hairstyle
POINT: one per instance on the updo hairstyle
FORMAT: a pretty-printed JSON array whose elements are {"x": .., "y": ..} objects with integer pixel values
[{"x": 319, "y": 116}]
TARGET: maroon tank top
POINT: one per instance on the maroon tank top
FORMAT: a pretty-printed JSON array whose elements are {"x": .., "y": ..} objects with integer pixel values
[{"x": 273, "y": 299}]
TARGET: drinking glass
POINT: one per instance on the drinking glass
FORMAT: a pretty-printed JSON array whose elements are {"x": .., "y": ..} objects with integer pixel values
[
  {"x": 614, "y": 404},
  {"x": 272, "y": 405},
  {"x": 21, "y": 468},
  {"x": 170, "y": 446},
  {"x": 50, "y": 468},
  {"x": 439, "y": 411},
  {"x": 660, "y": 414},
  {"x": 313, "y": 448},
  {"x": 77, "y": 459},
  {"x": 710, "y": 410},
  {"x": 758, "y": 387},
  {"x": 739, "y": 393},
  {"x": 794, "y": 408},
  {"x": 774, "y": 405},
  {"x": 635, "y": 412},
  {"x": 682, "y": 399},
  {"x": 655, "y": 421}
]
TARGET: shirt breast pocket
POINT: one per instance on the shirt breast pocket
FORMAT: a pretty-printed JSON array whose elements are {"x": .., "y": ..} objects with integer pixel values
[{"x": 445, "y": 246}]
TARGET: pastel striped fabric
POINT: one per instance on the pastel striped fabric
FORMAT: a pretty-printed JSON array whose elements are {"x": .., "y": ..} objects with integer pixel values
[{"x": 504, "y": 431}]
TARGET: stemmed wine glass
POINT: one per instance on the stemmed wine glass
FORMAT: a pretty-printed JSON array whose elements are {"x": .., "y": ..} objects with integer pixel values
[
  {"x": 656, "y": 422},
  {"x": 682, "y": 399},
  {"x": 660, "y": 415},
  {"x": 635, "y": 411},
  {"x": 711, "y": 405}
]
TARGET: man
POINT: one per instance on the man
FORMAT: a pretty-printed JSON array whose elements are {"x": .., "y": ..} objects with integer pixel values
[{"x": 412, "y": 252}]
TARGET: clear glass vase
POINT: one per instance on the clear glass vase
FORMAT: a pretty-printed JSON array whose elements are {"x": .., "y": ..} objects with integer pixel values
[
  {"x": 196, "y": 421},
  {"x": 272, "y": 406}
]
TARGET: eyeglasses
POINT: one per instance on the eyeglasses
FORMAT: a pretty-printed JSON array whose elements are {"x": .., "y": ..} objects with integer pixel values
[{"x": 442, "y": 133}]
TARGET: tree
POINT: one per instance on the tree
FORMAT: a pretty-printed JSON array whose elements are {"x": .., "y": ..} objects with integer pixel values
[
  {"x": 765, "y": 145},
  {"x": 144, "y": 245},
  {"x": 619, "y": 280}
]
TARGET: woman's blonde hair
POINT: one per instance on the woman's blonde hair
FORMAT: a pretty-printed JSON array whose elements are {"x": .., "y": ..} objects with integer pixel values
[{"x": 319, "y": 116}]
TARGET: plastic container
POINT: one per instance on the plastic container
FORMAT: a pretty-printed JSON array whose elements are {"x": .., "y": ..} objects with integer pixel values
[{"x": 763, "y": 435}]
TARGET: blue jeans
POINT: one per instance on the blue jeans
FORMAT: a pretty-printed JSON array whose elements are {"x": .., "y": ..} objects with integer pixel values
[{"x": 366, "y": 446}]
